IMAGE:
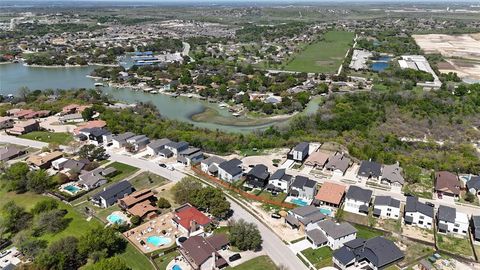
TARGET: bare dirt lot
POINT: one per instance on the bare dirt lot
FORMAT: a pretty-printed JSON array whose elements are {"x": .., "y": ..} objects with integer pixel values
[{"x": 465, "y": 47}]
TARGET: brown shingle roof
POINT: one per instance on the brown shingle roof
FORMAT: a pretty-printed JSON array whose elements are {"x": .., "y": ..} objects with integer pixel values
[
  {"x": 317, "y": 159},
  {"x": 447, "y": 182}
]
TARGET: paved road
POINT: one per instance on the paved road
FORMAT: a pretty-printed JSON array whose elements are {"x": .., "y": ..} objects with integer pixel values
[{"x": 272, "y": 244}]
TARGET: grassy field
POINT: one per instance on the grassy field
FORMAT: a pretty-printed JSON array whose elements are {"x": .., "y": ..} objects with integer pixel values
[
  {"x": 460, "y": 246},
  {"x": 367, "y": 232},
  {"x": 163, "y": 261},
  {"x": 147, "y": 180},
  {"x": 49, "y": 137},
  {"x": 136, "y": 260},
  {"x": 258, "y": 263},
  {"x": 321, "y": 257},
  {"x": 324, "y": 56},
  {"x": 123, "y": 171}
]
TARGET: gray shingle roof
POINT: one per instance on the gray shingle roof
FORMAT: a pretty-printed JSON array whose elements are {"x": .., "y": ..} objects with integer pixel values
[
  {"x": 123, "y": 136},
  {"x": 474, "y": 183},
  {"x": 213, "y": 159},
  {"x": 338, "y": 162},
  {"x": 413, "y": 205},
  {"x": 387, "y": 200},
  {"x": 446, "y": 213},
  {"x": 370, "y": 169},
  {"x": 231, "y": 166},
  {"x": 344, "y": 255},
  {"x": 381, "y": 252},
  {"x": 301, "y": 147},
  {"x": 260, "y": 171},
  {"x": 359, "y": 194},
  {"x": 393, "y": 173},
  {"x": 158, "y": 144},
  {"x": 317, "y": 236},
  {"x": 114, "y": 190},
  {"x": 336, "y": 230},
  {"x": 302, "y": 181},
  {"x": 305, "y": 210}
]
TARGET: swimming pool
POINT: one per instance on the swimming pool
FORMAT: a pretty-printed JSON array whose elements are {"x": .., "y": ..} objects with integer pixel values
[
  {"x": 176, "y": 267},
  {"x": 115, "y": 219},
  {"x": 158, "y": 240},
  {"x": 299, "y": 201},
  {"x": 325, "y": 211},
  {"x": 71, "y": 188}
]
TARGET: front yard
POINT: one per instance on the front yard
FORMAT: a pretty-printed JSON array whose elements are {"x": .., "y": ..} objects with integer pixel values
[
  {"x": 321, "y": 257},
  {"x": 147, "y": 180},
  {"x": 258, "y": 263},
  {"x": 123, "y": 171},
  {"x": 61, "y": 138},
  {"x": 456, "y": 245}
]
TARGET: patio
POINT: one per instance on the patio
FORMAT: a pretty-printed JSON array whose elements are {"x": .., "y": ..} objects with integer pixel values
[{"x": 154, "y": 234}]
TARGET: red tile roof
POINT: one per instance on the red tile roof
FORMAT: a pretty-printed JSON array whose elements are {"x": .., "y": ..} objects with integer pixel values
[{"x": 186, "y": 214}]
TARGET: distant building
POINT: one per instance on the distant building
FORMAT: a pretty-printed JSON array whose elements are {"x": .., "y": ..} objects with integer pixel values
[
  {"x": 300, "y": 151},
  {"x": 476, "y": 228},
  {"x": 24, "y": 127},
  {"x": 6, "y": 122},
  {"x": 43, "y": 160},
  {"x": 473, "y": 185},
  {"x": 10, "y": 152}
]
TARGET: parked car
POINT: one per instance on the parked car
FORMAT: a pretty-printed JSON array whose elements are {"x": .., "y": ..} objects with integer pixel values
[
  {"x": 162, "y": 165},
  {"x": 234, "y": 257},
  {"x": 275, "y": 216},
  {"x": 5, "y": 253}
]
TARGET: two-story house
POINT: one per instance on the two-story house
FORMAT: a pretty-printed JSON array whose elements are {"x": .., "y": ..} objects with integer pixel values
[
  {"x": 303, "y": 187},
  {"x": 418, "y": 214},
  {"x": 300, "y": 151},
  {"x": 331, "y": 234},
  {"x": 230, "y": 170},
  {"x": 210, "y": 165},
  {"x": 280, "y": 181},
  {"x": 369, "y": 171},
  {"x": 257, "y": 177},
  {"x": 386, "y": 207},
  {"x": 449, "y": 220},
  {"x": 357, "y": 200}
]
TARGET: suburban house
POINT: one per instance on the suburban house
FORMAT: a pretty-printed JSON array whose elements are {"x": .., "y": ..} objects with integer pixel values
[
  {"x": 10, "y": 152},
  {"x": 69, "y": 165},
  {"x": 369, "y": 170},
  {"x": 6, "y": 122},
  {"x": 299, "y": 152},
  {"x": 280, "y": 181},
  {"x": 109, "y": 196},
  {"x": 156, "y": 145},
  {"x": 71, "y": 118},
  {"x": 119, "y": 141},
  {"x": 338, "y": 164},
  {"x": 95, "y": 178},
  {"x": 386, "y": 207},
  {"x": 476, "y": 228},
  {"x": 418, "y": 214},
  {"x": 144, "y": 210},
  {"x": 392, "y": 175},
  {"x": 447, "y": 183},
  {"x": 375, "y": 253},
  {"x": 331, "y": 234},
  {"x": 96, "y": 135},
  {"x": 139, "y": 142},
  {"x": 230, "y": 170},
  {"x": 190, "y": 220},
  {"x": 357, "y": 200},
  {"x": 74, "y": 108},
  {"x": 190, "y": 156},
  {"x": 202, "y": 253},
  {"x": 317, "y": 159},
  {"x": 449, "y": 220},
  {"x": 176, "y": 147},
  {"x": 302, "y": 217},
  {"x": 90, "y": 124},
  {"x": 257, "y": 177},
  {"x": 330, "y": 194},
  {"x": 43, "y": 160},
  {"x": 137, "y": 197},
  {"x": 473, "y": 185},
  {"x": 210, "y": 165},
  {"x": 303, "y": 187},
  {"x": 24, "y": 127}
]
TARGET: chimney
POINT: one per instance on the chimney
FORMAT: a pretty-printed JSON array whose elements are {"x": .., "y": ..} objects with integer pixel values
[{"x": 193, "y": 226}]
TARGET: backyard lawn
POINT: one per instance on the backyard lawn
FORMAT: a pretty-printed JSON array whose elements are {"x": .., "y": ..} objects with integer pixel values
[
  {"x": 367, "y": 232},
  {"x": 258, "y": 263},
  {"x": 136, "y": 260},
  {"x": 321, "y": 257},
  {"x": 460, "y": 246},
  {"x": 147, "y": 180},
  {"x": 123, "y": 171},
  {"x": 323, "y": 56},
  {"x": 267, "y": 195},
  {"x": 61, "y": 138},
  {"x": 163, "y": 261}
]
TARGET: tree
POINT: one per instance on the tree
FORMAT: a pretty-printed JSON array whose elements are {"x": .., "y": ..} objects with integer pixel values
[
  {"x": 62, "y": 254},
  {"x": 38, "y": 181},
  {"x": 88, "y": 113},
  {"x": 163, "y": 203},
  {"x": 114, "y": 263},
  {"x": 136, "y": 220},
  {"x": 16, "y": 176},
  {"x": 15, "y": 217},
  {"x": 30, "y": 247},
  {"x": 44, "y": 206},
  {"x": 103, "y": 240},
  {"x": 92, "y": 152},
  {"x": 244, "y": 235},
  {"x": 470, "y": 197},
  {"x": 184, "y": 189},
  {"x": 52, "y": 221}
]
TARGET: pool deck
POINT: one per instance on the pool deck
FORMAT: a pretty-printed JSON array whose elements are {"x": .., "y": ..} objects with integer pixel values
[
  {"x": 180, "y": 261},
  {"x": 153, "y": 227},
  {"x": 119, "y": 214}
]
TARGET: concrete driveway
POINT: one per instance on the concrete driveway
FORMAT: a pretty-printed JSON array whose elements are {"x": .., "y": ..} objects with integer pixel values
[
  {"x": 300, "y": 246},
  {"x": 52, "y": 123}
]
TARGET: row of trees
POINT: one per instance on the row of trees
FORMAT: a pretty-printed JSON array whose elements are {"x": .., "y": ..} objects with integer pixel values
[{"x": 19, "y": 178}]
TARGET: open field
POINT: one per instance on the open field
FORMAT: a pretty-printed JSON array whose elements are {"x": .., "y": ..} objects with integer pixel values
[
  {"x": 258, "y": 263},
  {"x": 49, "y": 137},
  {"x": 324, "y": 56},
  {"x": 462, "y": 52}
]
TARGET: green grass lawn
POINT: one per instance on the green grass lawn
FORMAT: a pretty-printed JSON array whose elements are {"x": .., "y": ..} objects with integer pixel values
[
  {"x": 323, "y": 56},
  {"x": 163, "y": 261},
  {"x": 415, "y": 251},
  {"x": 460, "y": 246},
  {"x": 321, "y": 257},
  {"x": 62, "y": 138},
  {"x": 136, "y": 260},
  {"x": 147, "y": 180},
  {"x": 258, "y": 263},
  {"x": 367, "y": 232},
  {"x": 267, "y": 195},
  {"x": 477, "y": 250},
  {"x": 123, "y": 171}
]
